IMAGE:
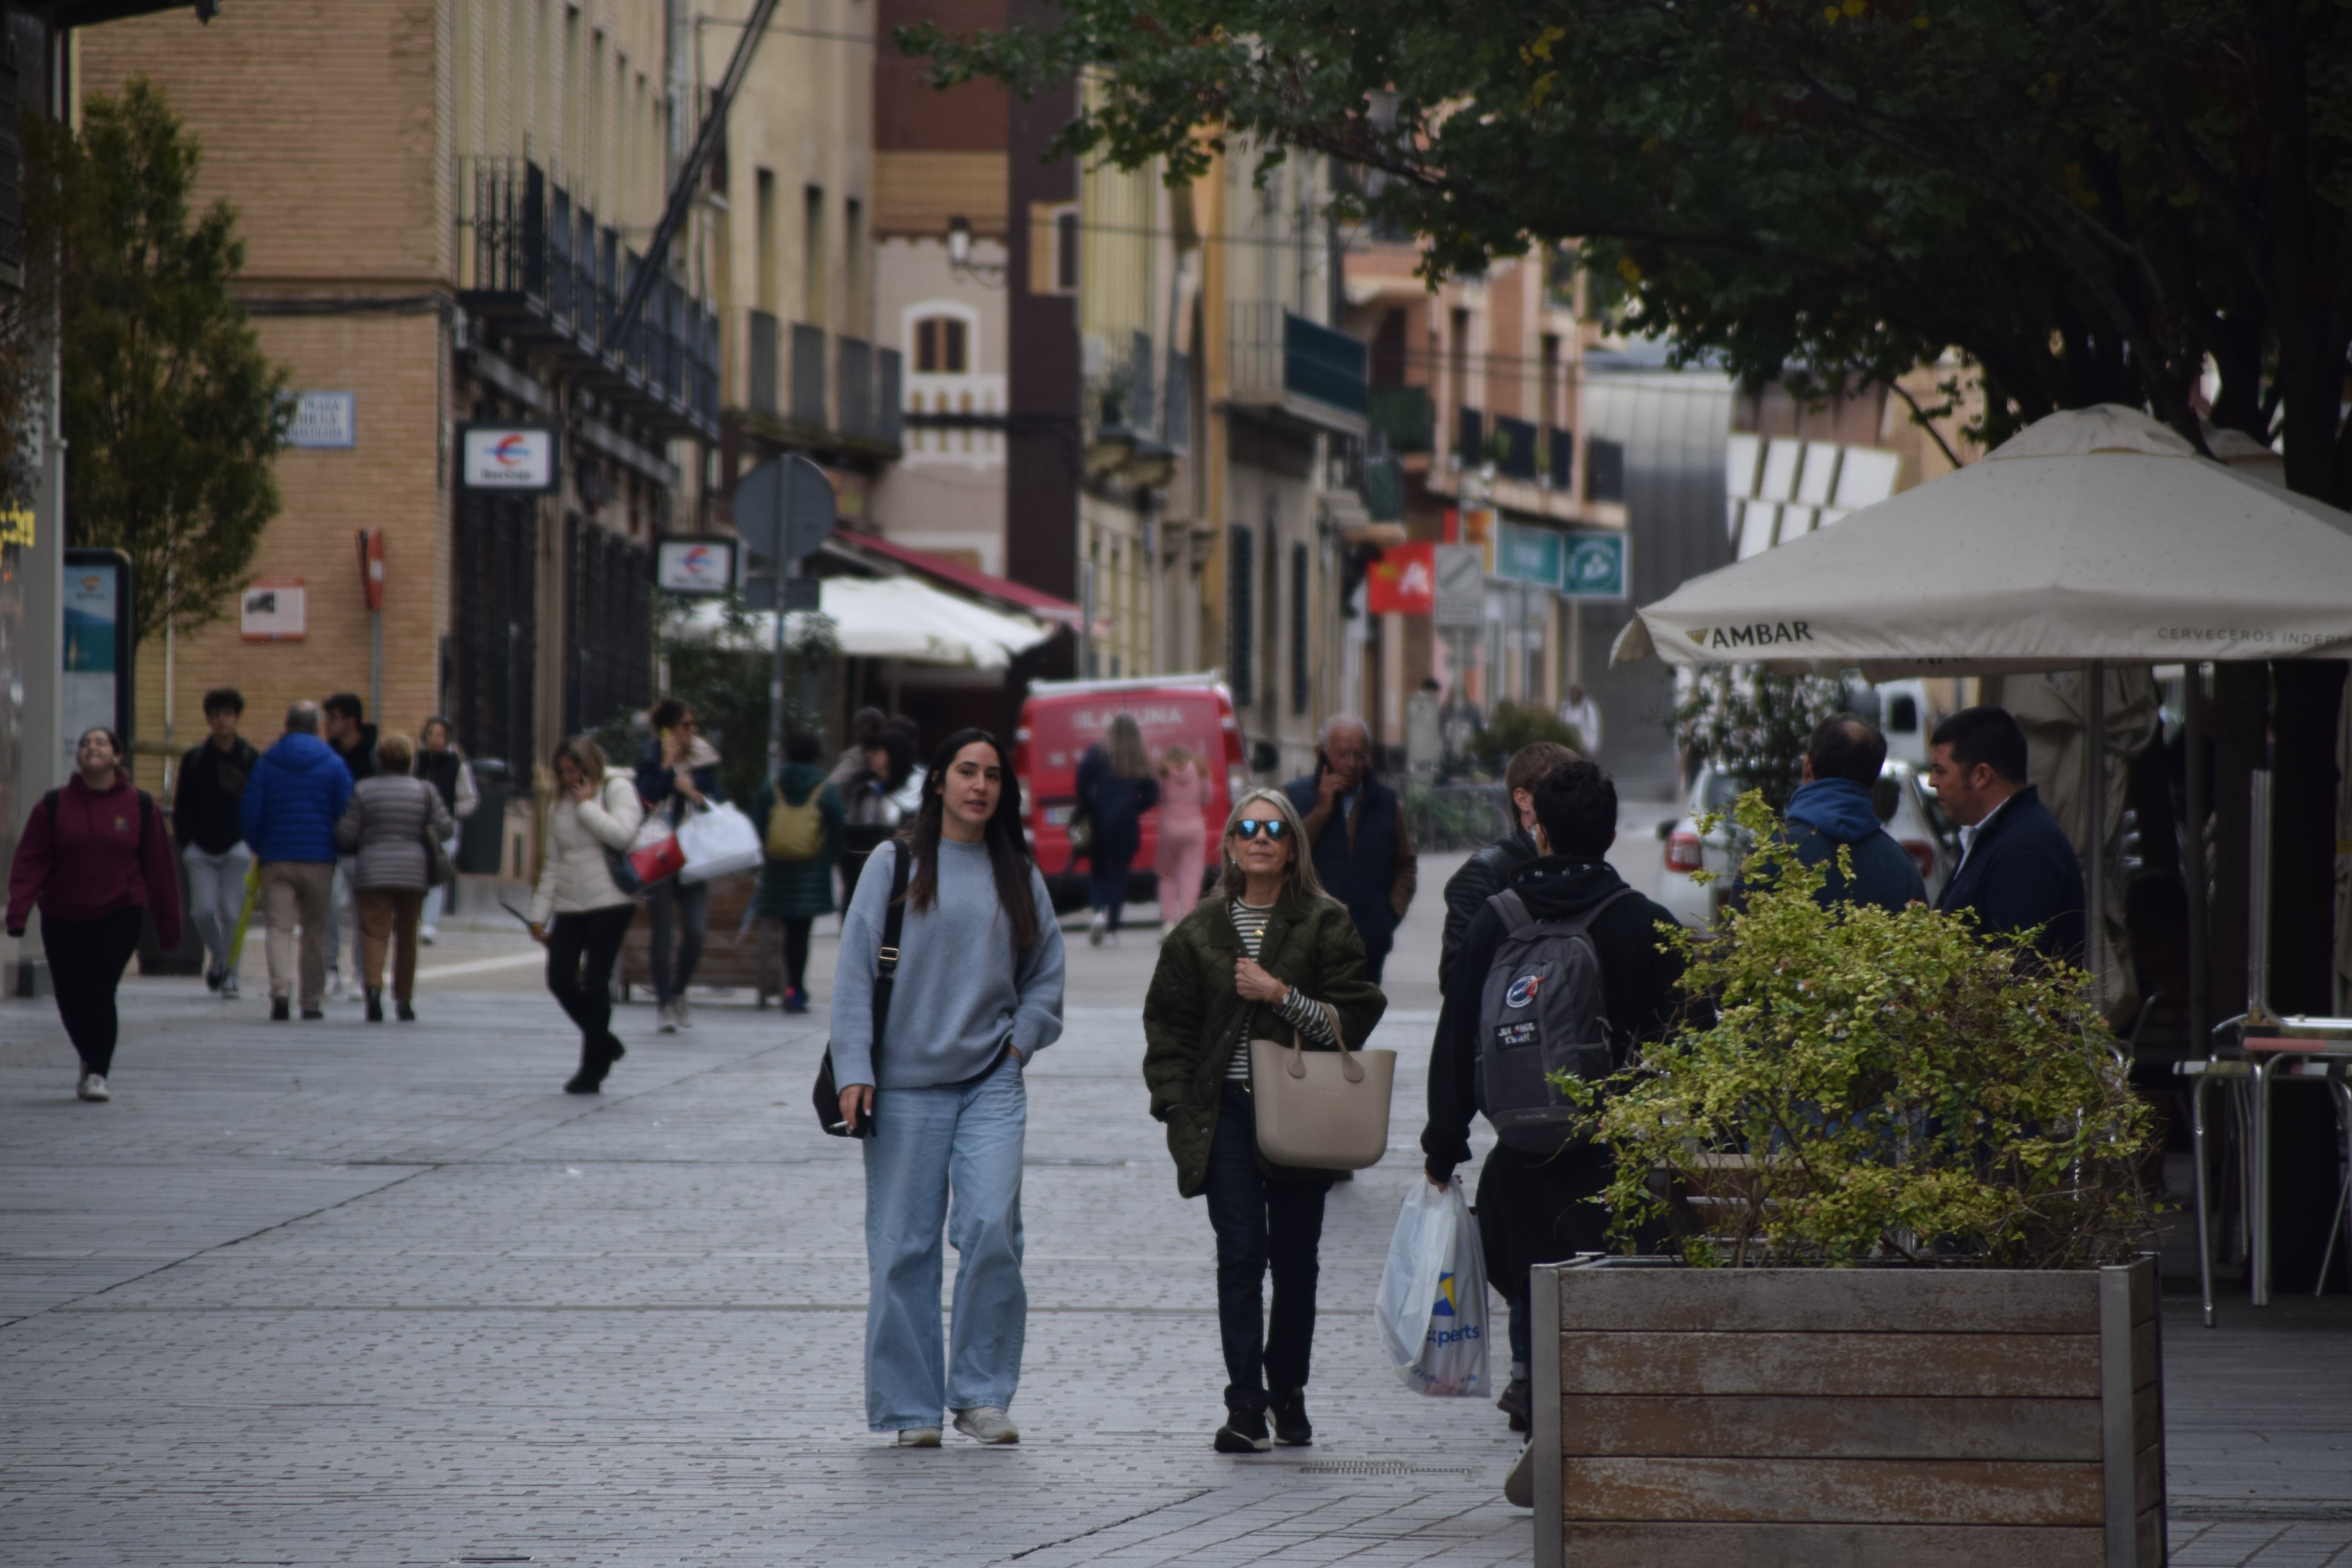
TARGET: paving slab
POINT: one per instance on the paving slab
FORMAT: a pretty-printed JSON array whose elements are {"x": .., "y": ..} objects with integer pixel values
[{"x": 382, "y": 1295}]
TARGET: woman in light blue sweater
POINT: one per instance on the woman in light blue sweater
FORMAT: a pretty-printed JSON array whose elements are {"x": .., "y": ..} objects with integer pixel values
[{"x": 978, "y": 992}]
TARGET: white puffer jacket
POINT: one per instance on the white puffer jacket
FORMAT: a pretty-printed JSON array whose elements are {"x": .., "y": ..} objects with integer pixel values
[{"x": 574, "y": 879}]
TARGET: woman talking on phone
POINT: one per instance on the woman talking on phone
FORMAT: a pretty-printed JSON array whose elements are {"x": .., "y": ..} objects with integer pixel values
[
  {"x": 594, "y": 812},
  {"x": 978, "y": 992}
]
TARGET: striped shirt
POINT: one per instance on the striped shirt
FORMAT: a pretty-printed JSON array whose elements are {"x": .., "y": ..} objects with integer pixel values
[{"x": 1299, "y": 1011}]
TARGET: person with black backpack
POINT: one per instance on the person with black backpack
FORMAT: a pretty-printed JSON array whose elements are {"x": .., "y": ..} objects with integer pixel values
[
  {"x": 1575, "y": 973},
  {"x": 96, "y": 860}
]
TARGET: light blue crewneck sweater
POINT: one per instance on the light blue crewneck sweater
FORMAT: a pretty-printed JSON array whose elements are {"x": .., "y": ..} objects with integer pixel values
[{"x": 959, "y": 993}]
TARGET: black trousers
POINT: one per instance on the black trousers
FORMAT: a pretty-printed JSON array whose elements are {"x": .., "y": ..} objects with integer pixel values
[
  {"x": 1262, "y": 1226},
  {"x": 685, "y": 907},
  {"x": 86, "y": 963},
  {"x": 1537, "y": 1208},
  {"x": 581, "y": 951},
  {"x": 796, "y": 949}
]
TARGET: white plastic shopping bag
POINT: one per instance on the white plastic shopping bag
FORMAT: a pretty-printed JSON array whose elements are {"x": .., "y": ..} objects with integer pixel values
[
  {"x": 716, "y": 842},
  {"x": 1432, "y": 1307}
]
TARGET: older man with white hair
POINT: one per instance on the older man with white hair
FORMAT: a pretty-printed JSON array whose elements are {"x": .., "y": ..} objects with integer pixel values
[{"x": 1355, "y": 825}]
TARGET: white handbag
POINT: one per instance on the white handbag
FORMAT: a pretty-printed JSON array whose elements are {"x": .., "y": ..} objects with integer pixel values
[{"x": 1322, "y": 1111}]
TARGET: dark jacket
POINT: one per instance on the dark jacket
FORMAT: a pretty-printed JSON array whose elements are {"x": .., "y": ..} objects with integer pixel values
[
  {"x": 90, "y": 853},
  {"x": 1116, "y": 807},
  {"x": 1371, "y": 867},
  {"x": 1640, "y": 978},
  {"x": 798, "y": 889},
  {"x": 360, "y": 761},
  {"x": 294, "y": 799},
  {"x": 657, "y": 785},
  {"x": 1193, "y": 1015},
  {"x": 1482, "y": 876},
  {"x": 2021, "y": 872},
  {"x": 1828, "y": 813},
  {"x": 204, "y": 800}
]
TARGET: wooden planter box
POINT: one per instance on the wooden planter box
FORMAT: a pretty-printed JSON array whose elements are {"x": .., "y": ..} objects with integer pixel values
[{"x": 1839, "y": 1419}]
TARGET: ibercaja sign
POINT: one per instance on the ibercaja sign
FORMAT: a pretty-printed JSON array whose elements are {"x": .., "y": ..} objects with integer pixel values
[{"x": 520, "y": 459}]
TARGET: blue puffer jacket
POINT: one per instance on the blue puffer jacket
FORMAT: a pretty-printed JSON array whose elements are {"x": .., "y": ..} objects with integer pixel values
[
  {"x": 1828, "y": 813},
  {"x": 294, "y": 799}
]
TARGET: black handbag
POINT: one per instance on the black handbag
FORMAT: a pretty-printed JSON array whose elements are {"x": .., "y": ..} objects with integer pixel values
[{"x": 827, "y": 1096}]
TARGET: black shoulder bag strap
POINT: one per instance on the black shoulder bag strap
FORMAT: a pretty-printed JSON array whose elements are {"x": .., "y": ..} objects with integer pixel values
[{"x": 827, "y": 1094}]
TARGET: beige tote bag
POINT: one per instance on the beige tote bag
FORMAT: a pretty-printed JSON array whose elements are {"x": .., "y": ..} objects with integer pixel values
[{"x": 1323, "y": 1110}]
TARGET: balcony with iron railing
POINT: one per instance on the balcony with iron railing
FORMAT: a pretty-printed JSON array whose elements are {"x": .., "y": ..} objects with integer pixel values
[
  {"x": 540, "y": 268},
  {"x": 1126, "y": 413},
  {"x": 1300, "y": 369},
  {"x": 1404, "y": 416},
  {"x": 804, "y": 387}
]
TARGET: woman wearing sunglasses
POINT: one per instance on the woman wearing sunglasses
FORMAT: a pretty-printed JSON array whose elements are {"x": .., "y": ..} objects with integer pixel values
[{"x": 1268, "y": 955}]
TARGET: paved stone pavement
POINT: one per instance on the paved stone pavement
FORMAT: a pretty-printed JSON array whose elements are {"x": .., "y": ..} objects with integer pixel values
[{"x": 343, "y": 1294}]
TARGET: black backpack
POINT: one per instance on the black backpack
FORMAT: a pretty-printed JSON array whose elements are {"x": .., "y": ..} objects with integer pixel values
[{"x": 1543, "y": 1011}]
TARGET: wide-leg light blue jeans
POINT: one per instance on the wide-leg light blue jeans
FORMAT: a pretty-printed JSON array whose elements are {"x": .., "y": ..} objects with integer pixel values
[{"x": 947, "y": 1156}]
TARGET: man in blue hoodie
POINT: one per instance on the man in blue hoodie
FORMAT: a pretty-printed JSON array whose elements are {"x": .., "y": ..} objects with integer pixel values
[
  {"x": 1832, "y": 809},
  {"x": 289, "y": 812}
]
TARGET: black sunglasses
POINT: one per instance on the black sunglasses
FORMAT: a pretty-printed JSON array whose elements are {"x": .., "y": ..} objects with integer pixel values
[{"x": 1276, "y": 830}]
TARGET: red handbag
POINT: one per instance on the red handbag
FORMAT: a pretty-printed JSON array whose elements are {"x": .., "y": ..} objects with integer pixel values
[{"x": 656, "y": 861}]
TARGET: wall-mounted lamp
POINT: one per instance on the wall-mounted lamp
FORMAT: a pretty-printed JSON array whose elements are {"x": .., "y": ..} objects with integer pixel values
[{"x": 960, "y": 259}]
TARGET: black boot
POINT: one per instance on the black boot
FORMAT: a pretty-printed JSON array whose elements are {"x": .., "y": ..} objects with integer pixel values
[
  {"x": 593, "y": 1064},
  {"x": 1243, "y": 1432},
  {"x": 281, "y": 1010},
  {"x": 1288, "y": 1407},
  {"x": 374, "y": 1005},
  {"x": 404, "y": 1012},
  {"x": 1514, "y": 1404}
]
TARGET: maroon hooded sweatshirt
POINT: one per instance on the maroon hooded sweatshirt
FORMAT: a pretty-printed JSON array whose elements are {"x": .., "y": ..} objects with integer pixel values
[{"x": 96, "y": 857}]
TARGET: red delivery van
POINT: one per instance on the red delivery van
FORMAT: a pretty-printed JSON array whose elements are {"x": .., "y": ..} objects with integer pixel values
[{"x": 1062, "y": 717}]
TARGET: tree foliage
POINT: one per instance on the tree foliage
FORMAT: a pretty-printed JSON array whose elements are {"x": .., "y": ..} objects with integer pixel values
[
  {"x": 1755, "y": 724},
  {"x": 2087, "y": 198},
  {"x": 725, "y": 679},
  {"x": 1872, "y": 1085},
  {"x": 172, "y": 415}
]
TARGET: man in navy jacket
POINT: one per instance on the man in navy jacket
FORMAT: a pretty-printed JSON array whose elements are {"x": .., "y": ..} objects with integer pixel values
[{"x": 2018, "y": 870}]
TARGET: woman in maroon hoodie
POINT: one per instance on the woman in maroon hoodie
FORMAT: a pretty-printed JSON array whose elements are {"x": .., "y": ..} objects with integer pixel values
[{"x": 96, "y": 858}]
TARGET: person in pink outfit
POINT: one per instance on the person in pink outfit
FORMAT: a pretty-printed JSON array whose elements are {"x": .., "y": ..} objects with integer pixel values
[{"x": 1183, "y": 833}]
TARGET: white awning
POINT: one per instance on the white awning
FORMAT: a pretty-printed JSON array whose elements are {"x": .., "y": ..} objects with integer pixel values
[
  {"x": 896, "y": 617},
  {"x": 2093, "y": 534}
]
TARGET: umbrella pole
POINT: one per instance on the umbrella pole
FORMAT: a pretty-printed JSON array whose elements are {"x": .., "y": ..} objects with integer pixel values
[
  {"x": 2094, "y": 786},
  {"x": 2192, "y": 846}
]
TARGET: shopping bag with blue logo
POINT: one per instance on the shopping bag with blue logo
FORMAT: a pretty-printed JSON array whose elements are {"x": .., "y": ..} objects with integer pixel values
[{"x": 1432, "y": 1307}]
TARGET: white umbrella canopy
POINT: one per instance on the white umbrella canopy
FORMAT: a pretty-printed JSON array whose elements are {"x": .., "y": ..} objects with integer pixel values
[
  {"x": 896, "y": 617},
  {"x": 2093, "y": 534}
]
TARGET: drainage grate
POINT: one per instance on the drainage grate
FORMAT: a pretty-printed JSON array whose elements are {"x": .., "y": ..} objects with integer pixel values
[{"x": 1376, "y": 1467}]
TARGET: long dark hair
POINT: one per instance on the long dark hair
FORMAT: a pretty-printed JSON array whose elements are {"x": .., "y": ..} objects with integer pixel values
[{"x": 1008, "y": 852}]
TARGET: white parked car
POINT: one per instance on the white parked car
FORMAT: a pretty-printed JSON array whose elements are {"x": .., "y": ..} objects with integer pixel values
[{"x": 1907, "y": 808}]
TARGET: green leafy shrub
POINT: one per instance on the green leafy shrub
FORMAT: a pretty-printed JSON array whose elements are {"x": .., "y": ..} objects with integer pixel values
[
  {"x": 1856, "y": 1084},
  {"x": 1754, "y": 724},
  {"x": 1512, "y": 726}
]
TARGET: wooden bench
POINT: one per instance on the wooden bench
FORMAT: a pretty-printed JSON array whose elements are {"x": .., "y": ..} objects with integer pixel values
[{"x": 732, "y": 954}]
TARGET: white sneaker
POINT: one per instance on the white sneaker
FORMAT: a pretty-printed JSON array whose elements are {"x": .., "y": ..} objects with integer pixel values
[
  {"x": 667, "y": 1012},
  {"x": 1110, "y": 939},
  {"x": 987, "y": 1424},
  {"x": 92, "y": 1087},
  {"x": 683, "y": 1011},
  {"x": 228, "y": 989},
  {"x": 1097, "y": 931},
  {"x": 334, "y": 983},
  {"x": 1519, "y": 1485},
  {"x": 920, "y": 1437},
  {"x": 425, "y": 934}
]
